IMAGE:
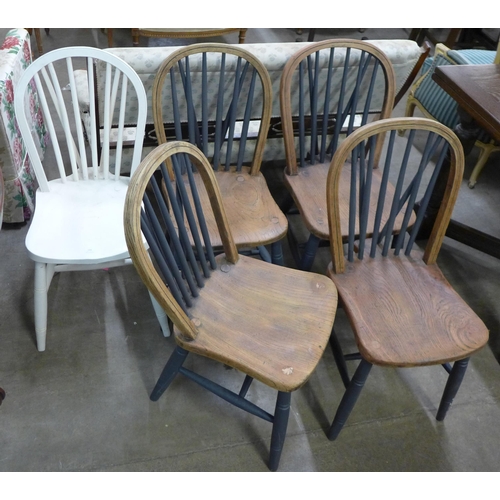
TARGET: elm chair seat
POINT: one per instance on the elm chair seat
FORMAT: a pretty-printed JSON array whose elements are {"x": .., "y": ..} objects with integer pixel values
[
  {"x": 78, "y": 220},
  {"x": 402, "y": 310},
  {"x": 269, "y": 322}
]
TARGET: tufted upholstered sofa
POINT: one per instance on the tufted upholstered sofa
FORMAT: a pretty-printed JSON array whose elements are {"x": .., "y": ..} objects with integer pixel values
[
  {"x": 19, "y": 179},
  {"x": 403, "y": 54}
]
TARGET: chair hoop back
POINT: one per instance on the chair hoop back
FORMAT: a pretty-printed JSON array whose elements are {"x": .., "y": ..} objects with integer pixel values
[
  {"x": 52, "y": 75},
  {"x": 234, "y": 105},
  {"x": 418, "y": 175},
  {"x": 333, "y": 83},
  {"x": 161, "y": 212}
]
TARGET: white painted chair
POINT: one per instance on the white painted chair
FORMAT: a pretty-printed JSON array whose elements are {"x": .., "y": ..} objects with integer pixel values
[{"x": 78, "y": 220}]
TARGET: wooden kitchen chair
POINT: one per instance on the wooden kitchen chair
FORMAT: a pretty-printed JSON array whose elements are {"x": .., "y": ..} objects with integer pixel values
[
  {"x": 328, "y": 90},
  {"x": 78, "y": 221},
  {"x": 228, "y": 119},
  {"x": 270, "y": 322},
  {"x": 402, "y": 310}
]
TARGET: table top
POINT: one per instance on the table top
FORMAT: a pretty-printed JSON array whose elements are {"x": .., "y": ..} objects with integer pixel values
[{"x": 476, "y": 88}]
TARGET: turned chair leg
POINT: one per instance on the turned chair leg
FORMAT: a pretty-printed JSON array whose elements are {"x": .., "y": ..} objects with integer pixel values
[
  {"x": 338, "y": 355},
  {"x": 168, "y": 374},
  {"x": 277, "y": 253},
  {"x": 40, "y": 296},
  {"x": 349, "y": 399},
  {"x": 452, "y": 385},
  {"x": 280, "y": 424},
  {"x": 307, "y": 260}
]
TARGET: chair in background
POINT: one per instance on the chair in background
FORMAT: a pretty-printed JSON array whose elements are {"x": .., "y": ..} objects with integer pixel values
[
  {"x": 341, "y": 84},
  {"x": 204, "y": 94},
  {"x": 270, "y": 322},
  {"x": 402, "y": 310},
  {"x": 78, "y": 221},
  {"x": 436, "y": 103}
]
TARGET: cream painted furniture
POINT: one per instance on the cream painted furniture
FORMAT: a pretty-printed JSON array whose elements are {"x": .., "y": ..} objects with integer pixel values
[
  {"x": 78, "y": 221},
  {"x": 403, "y": 55}
]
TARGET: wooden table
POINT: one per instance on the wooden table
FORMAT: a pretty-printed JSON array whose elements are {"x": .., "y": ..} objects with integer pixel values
[{"x": 476, "y": 88}]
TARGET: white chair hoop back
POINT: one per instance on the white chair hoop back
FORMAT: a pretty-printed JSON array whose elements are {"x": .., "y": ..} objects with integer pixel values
[{"x": 79, "y": 157}]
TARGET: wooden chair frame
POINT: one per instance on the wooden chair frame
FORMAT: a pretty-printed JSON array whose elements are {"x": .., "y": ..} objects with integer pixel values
[
  {"x": 440, "y": 326},
  {"x": 305, "y": 178},
  {"x": 203, "y": 298},
  {"x": 266, "y": 225}
]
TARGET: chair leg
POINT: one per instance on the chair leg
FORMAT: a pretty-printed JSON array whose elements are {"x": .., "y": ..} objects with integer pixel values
[
  {"x": 277, "y": 253},
  {"x": 452, "y": 385},
  {"x": 307, "y": 260},
  {"x": 338, "y": 355},
  {"x": 41, "y": 288},
  {"x": 280, "y": 424},
  {"x": 349, "y": 399},
  {"x": 161, "y": 316},
  {"x": 169, "y": 372}
]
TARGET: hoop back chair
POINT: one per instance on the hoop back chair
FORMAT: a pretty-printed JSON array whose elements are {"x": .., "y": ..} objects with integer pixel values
[
  {"x": 228, "y": 121},
  {"x": 270, "y": 322},
  {"x": 78, "y": 220},
  {"x": 402, "y": 310},
  {"x": 341, "y": 85}
]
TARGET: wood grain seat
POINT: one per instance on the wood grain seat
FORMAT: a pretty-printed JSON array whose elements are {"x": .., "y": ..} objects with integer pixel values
[
  {"x": 275, "y": 337},
  {"x": 406, "y": 313},
  {"x": 310, "y": 199},
  {"x": 253, "y": 215}
]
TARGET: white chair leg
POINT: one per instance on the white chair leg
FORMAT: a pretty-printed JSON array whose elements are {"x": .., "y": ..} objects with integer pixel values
[
  {"x": 161, "y": 316},
  {"x": 40, "y": 304}
]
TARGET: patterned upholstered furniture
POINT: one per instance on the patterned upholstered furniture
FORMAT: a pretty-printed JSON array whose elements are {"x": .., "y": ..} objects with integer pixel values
[
  {"x": 403, "y": 54},
  {"x": 19, "y": 179},
  {"x": 435, "y": 103}
]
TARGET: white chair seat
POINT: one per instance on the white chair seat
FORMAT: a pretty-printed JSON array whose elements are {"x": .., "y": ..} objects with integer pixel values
[{"x": 79, "y": 222}]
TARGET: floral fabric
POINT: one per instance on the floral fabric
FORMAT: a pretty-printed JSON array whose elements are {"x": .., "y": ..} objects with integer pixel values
[{"x": 19, "y": 178}]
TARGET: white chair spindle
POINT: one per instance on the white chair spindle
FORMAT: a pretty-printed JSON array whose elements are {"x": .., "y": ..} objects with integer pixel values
[
  {"x": 80, "y": 151},
  {"x": 121, "y": 126}
]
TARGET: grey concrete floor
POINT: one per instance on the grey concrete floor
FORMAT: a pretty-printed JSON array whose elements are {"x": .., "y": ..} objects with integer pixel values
[{"x": 83, "y": 405}]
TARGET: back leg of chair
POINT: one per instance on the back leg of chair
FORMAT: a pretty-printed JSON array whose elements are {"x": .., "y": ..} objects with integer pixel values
[
  {"x": 280, "y": 424},
  {"x": 161, "y": 316},
  {"x": 41, "y": 289},
  {"x": 452, "y": 385},
  {"x": 311, "y": 248},
  {"x": 168, "y": 374},
  {"x": 349, "y": 399},
  {"x": 277, "y": 253}
]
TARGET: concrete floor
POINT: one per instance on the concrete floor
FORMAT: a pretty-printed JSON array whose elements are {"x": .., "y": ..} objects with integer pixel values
[{"x": 83, "y": 405}]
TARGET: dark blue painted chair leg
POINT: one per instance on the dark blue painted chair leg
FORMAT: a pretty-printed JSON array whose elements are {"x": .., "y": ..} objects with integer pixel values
[
  {"x": 264, "y": 254},
  {"x": 169, "y": 372},
  {"x": 277, "y": 253},
  {"x": 349, "y": 399},
  {"x": 309, "y": 253},
  {"x": 338, "y": 355},
  {"x": 280, "y": 424},
  {"x": 452, "y": 385}
]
